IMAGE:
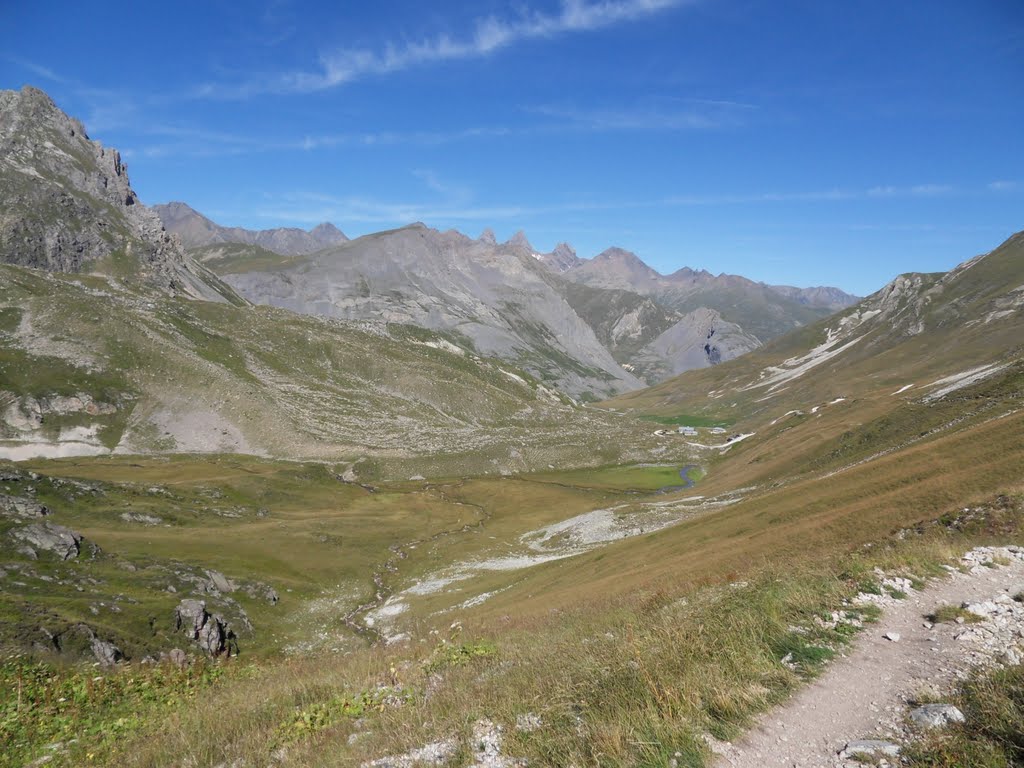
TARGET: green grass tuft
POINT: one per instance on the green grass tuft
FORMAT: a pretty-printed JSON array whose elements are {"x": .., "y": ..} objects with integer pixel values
[{"x": 952, "y": 613}]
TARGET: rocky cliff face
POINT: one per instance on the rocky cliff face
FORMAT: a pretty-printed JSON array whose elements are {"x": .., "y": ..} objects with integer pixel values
[
  {"x": 67, "y": 204},
  {"x": 197, "y": 231}
]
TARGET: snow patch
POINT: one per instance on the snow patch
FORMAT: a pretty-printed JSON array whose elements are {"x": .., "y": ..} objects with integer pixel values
[
  {"x": 963, "y": 379},
  {"x": 443, "y": 345},
  {"x": 775, "y": 376},
  {"x": 518, "y": 379},
  {"x": 727, "y": 444}
]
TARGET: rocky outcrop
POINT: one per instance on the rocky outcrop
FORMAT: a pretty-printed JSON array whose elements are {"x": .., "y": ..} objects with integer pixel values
[
  {"x": 106, "y": 652},
  {"x": 47, "y": 538},
  {"x": 66, "y": 204},
  {"x": 21, "y": 508},
  {"x": 65, "y": 424},
  {"x": 79, "y": 641},
  {"x": 141, "y": 517},
  {"x": 259, "y": 591},
  {"x": 209, "y": 632},
  {"x": 27, "y": 413}
]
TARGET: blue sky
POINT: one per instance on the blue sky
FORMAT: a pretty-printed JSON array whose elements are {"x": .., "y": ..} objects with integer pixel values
[{"x": 791, "y": 141}]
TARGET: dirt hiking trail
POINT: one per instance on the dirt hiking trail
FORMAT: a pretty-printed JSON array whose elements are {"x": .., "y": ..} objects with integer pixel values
[{"x": 867, "y": 693}]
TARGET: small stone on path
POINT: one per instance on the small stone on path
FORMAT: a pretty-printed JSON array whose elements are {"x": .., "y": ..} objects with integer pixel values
[{"x": 936, "y": 715}]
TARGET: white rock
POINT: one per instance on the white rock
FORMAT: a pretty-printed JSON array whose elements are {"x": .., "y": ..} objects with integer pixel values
[
  {"x": 936, "y": 715},
  {"x": 984, "y": 609},
  {"x": 869, "y": 747}
]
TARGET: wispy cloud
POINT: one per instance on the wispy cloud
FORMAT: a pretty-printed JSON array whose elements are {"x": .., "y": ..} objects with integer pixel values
[
  {"x": 490, "y": 34},
  {"x": 699, "y": 114},
  {"x": 918, "y": 190},
  {"x": 311, "y": 208},
  {"x": 550, "y": 120},
  {"x": 387, "y": 138},
  {"x": 822, "y": 195},
  {"x": 1002, "y": 185},
  {"x": 37, "y": 69},
  {"x": 449, "y": 189},
  {"x": 188, "y": 142}
]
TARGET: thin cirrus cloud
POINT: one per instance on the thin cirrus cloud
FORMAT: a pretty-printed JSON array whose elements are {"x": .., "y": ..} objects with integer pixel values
[
  {"x": 310, "y": 208},
  {"x": 37, "y": 69},
  {"x": 195, "y": 143},
  {"x": 551, "y": 120},
  {"x": 918, "y": 190},
  {"x": 490, "y": 34},
  {"x": 698, "y": 114},
  {"x": 1002, "y": 185}
]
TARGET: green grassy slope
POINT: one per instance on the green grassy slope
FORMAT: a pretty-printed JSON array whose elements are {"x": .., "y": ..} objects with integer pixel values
[
  {"x": 198, "y": 376},
  {"x": 233, "y": 258}
]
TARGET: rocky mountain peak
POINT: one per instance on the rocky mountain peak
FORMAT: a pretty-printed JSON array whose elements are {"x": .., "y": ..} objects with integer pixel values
[
  {"x": 487, "y": 236},
  {"x": 626, "y": 264},
  {"x": 519, "y": 240},
  {"x": 620, "y": 255},
  {"x": 328, "y": 234},
  {"x": 564, "y": 251},
  {"x": 66, "y": 204},
  {"x": 562, "y": 259},
  {"x": 35, "y": 134},
  {"x": 687, "y": 274}
]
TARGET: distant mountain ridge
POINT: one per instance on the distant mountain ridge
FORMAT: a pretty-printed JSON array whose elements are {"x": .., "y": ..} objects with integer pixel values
[
  {"x": 543, "y": 311},
  {"x": 195, "y": 231},
  {"x": 498, "y": 297},
  {"x": 622, "y": 269}
]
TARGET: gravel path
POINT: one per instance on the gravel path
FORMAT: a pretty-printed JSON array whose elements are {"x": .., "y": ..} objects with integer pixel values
[{"x": 865, "y": 694}]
